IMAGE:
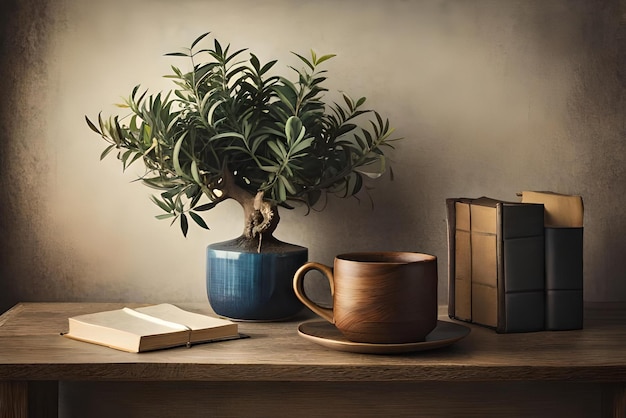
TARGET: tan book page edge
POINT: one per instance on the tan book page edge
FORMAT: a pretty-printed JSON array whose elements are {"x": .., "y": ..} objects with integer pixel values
[{"x": 173, "y": 314}]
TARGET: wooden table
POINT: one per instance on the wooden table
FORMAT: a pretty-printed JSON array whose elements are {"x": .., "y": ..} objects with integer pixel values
[{"x": 278, "y": 373}]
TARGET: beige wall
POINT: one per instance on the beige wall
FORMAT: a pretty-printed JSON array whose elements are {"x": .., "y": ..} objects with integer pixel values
[{"x": 492, "y": 97}]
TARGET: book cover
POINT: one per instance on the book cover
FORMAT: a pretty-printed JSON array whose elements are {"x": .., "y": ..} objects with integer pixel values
[
  {"x": 496, "y": 263},
  {"x": 563, "y": 221},
  {"x": 459, "y": 261}
]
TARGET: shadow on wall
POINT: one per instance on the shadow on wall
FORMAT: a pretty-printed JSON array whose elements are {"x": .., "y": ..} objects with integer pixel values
[
  {"x": 24, "y": 30},
  {"x": 597, "y": 118}
]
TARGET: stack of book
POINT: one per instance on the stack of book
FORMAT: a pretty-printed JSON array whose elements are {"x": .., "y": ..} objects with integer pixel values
[
  {"x": 516, "y": 266},
  {"x": 563, "y": 258}
]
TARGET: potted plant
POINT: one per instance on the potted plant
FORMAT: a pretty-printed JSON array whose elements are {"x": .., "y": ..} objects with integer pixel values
[{"x": 231, "y": 129}]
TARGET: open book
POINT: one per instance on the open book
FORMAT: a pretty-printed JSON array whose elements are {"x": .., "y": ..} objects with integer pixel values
[{"x": 149, "y": 328}]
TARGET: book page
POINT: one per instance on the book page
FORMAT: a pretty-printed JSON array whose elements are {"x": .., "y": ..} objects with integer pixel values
[
  {"x": 171, "y": 313},
  {"x": 146, "y": 317},
  {"x": 122, "y": 321},
  {"x": 561, "y": 211}
]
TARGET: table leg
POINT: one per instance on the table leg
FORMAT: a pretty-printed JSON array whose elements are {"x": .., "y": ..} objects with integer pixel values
[
  {"x": 36, "y": 399},
  {"x": 43, "y": 399},
  {"x": 13, "y": 399},
  {"x": 614, "y": 402}
]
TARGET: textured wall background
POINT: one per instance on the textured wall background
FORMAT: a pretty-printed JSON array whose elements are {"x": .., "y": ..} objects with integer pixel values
[{"x": 492, "y": 97}]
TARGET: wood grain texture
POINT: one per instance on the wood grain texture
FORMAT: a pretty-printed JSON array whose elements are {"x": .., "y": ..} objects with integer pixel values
[
  {"x": 13, "y": 399},
  {"x": 31, "y": 349}
]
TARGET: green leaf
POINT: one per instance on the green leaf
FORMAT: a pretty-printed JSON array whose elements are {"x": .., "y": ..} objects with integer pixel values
[
  {"x": 206, "y": 206},
  {"x": 176, "y": 54},
  {"x": 368, "y": 137},
  {"x": 288, "y": 96},
  {"x": 165, "y": 216},
  {"x": 100, "y": 121},
  {"x": 146, "y": 134},
  {"x": 381, "y": 123},
  {"x": 170, "y": 193},
  {"x": 361, "y": 143},
  {"x": 340, "y": 112},
  {"x": 294, "y": 130},
  {"x": 271, "y": 131},
  {"x": 270, "y": 168},
  {"x": 353, "y": 184},
  {"x": 255, "y": 62},
  {"x": 233, "y": 55},
  {"x": 199, "y": 38},
  {"x": 345, "y": 128},
  {"x": 349, "y": 102},
  {"x": 317, "y": 81},
  {"x": 178, "y": 204},
  {"x": 196, "y": 198},
  {"x": 324, "y": 58},
  {"x": 198, "y": 220},
  {"x": 106, "y": 151},
  {"x": 302, "y": 145},
  {"x": 370, "y": 174},
  {"x": 192, "y": 191},
  {"x": 282, "y": 193},
  {"x": 287, "y": 184},
  {"x": 306, "y": 61},
  {"x": 184, "y": 224},
  {"x": 176, "y": 154},
  {"x": 267, "y": 67},
  {"x": 218, "y": 48},
  {"x": 288, "y": 170},
  {"x": 161, "y": 204},
  {"x": 278, "y": 149},
  {"x": 124, "y": 158},
  {"x": 212, "y": 109},
  {"x": 135, "y": 158},
  {"x": 158, "y": 182},
  {"x": 195, "y": 173},
  {"x": 226, "y": 135},
  {"x": 92, "y": 126}
]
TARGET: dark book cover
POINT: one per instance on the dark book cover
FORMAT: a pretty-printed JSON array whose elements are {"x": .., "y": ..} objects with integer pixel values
[{"x": 563, "y": 258}]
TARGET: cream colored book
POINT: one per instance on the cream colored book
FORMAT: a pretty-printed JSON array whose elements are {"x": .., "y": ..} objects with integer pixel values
[{"x": 149, "y": 328}]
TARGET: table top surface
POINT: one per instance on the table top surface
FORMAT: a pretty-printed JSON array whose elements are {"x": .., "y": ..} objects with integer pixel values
[{"x": 31, "y": 348}]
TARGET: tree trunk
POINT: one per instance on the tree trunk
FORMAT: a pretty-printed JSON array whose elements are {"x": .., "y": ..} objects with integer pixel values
[{"x": 260, "y": 217}]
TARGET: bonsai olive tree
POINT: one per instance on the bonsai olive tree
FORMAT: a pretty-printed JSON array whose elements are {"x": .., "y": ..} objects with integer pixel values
[{"x": 230, "y": 130}]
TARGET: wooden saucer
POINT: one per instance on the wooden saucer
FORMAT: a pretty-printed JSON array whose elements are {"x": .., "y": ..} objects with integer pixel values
[{"x": 325, "y": 334}]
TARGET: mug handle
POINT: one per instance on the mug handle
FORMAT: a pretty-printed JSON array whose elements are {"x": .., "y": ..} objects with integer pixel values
[{"x": 298, "y": 287}]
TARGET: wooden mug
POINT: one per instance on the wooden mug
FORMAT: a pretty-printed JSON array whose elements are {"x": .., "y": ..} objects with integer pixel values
[{"x": 378, "y": 297}]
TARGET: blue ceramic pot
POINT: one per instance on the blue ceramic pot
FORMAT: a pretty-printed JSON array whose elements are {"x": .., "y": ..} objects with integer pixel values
[{"x": 243, "y": 284}]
